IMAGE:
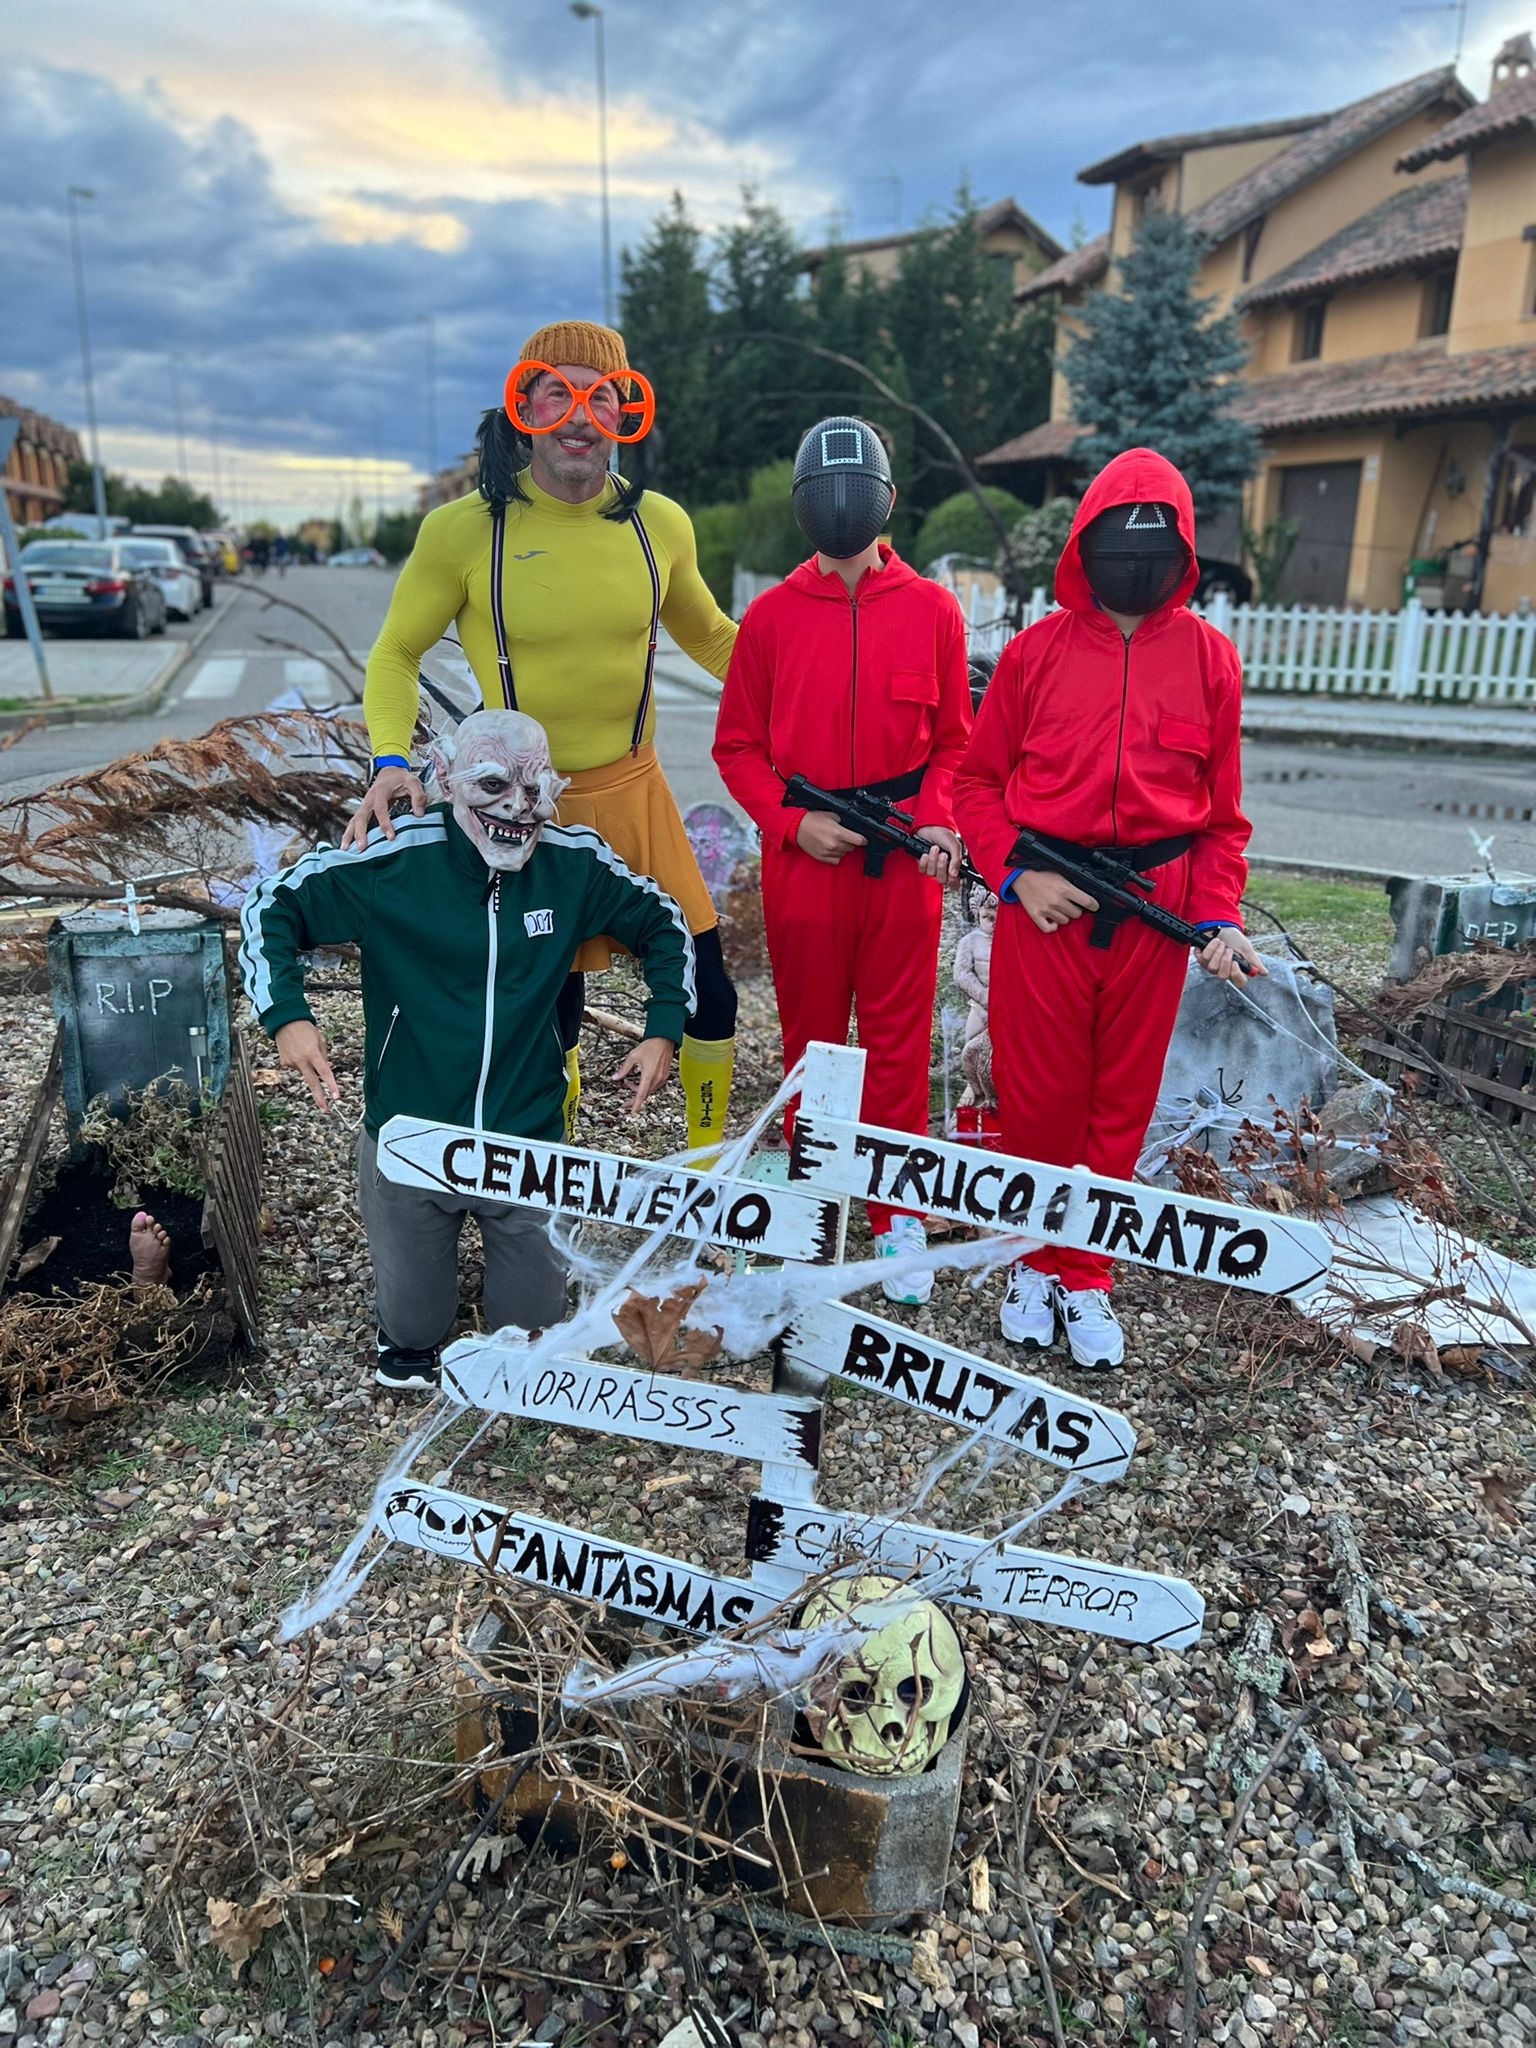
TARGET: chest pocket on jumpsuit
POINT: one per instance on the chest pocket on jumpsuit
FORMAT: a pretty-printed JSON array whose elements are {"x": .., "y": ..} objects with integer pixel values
[
  {"x": 1183, "y": 745},
  {"x": 915, "y": 694}
]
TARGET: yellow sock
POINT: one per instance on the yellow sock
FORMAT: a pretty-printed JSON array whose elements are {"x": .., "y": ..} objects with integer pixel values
[
  {"x": 572, "y": 1091},
  {"x": 706, "y": 1067}
]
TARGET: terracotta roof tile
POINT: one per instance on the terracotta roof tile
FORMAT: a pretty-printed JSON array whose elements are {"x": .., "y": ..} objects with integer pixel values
[
  {"x": 1048, "y": 442},
  {"x": 1513, "y": 107},
  {"x": 1310, "y": 155},
  {"x": 1416, "y": 383},
  {"x": 1141, "y": 156},
  {"x": 1411, "y": 230},
  {"x": 1001, "y": 213},
  {"x": 1071, "y": 272}
]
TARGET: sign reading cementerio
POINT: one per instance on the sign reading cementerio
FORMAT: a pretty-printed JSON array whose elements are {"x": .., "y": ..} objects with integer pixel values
[{"x": 781, "y": 1223}]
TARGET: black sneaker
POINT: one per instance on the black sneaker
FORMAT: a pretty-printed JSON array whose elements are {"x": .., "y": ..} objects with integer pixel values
[{"x": 407, "y": 1372}]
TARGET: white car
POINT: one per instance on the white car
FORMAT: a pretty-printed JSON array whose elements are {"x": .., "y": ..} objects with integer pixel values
[
  {"x": 358, "y": 558},
  {"x": 171, "y": 570}
]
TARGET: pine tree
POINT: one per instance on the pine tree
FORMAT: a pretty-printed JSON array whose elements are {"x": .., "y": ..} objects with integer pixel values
[
  {"x": 757, "y": 381},
  {"x": 968, "y": 356},
  {"x": 1151, "y": 369},
  {"x": 668, "y": 325}
]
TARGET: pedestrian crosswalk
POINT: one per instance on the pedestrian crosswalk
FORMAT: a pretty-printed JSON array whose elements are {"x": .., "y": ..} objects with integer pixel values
[{"x": 220, "y": 676}]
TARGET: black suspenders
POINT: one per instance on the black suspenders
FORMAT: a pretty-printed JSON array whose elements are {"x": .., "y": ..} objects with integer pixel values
[{"x": 499, "y": 619}]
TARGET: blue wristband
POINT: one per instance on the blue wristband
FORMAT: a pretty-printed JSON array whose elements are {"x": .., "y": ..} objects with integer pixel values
[{"x": 389, "y": 761}]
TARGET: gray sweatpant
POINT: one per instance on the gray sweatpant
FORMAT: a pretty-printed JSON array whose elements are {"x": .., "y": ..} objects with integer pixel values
[{"x": 413, "y": 1240}]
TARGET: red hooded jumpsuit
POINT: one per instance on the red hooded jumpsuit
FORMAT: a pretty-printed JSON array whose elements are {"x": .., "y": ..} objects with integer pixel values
[
  {"x": 1105, "y": 742},
  {"x": 849, "y": 692}
]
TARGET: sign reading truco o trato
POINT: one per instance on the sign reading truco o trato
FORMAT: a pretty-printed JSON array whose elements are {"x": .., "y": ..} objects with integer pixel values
[{"x": 1180, "y": 1234}]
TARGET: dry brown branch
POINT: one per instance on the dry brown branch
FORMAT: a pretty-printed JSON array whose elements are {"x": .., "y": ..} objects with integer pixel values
[
  {"x": 353, "y": 694},
  {"x": 604, "y": 1020},
  {"x": 82, "y": 835}
]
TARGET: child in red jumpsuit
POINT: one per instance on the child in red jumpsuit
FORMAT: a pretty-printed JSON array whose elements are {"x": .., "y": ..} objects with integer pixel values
[
  {"x": 852, "y": 673},
  {"x": 1114, "y": 722}
]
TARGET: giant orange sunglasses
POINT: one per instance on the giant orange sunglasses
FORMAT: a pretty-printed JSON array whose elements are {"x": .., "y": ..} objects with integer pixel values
[{"x": 581, "y": 400}]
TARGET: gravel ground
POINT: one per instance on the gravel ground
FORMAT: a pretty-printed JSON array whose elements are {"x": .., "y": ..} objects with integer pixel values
[{"x": 158, "y": 1746}]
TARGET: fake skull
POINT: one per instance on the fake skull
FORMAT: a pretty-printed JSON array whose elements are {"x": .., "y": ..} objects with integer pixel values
[
  {"x": 886, "y": 1708},
  {"x": 496, "y": 772}
]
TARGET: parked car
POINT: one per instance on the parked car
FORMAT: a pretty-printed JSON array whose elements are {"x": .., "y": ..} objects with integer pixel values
[
  {"x": 179, "y": 582},
  {"x": 85, "y": 584},
  {"x": 358, "y": 558},
  {"x": 194, "y": 547}
]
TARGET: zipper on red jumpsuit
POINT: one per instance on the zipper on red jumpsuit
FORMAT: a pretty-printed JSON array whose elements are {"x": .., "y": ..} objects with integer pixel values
[
  {"x": 1114, "y": 791},
  {"x": 853, "y": 713}
]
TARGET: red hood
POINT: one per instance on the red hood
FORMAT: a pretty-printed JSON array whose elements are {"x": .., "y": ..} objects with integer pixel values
[
  {"x": 893, "y": 574},
  {"x": 1138, "y": 477}
]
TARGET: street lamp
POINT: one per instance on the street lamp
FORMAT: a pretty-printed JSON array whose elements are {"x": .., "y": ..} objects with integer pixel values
[
  {"x": 429, "y": 321},
  {"x": 588, "y": 10},
  {"x": 98, "y": 482}
]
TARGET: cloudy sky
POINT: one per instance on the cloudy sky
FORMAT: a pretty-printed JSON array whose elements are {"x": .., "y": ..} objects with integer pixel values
[{"x": 284, "y": 191}]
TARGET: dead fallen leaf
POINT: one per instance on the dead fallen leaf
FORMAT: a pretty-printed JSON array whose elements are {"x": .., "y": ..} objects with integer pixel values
[
  {"x": 653, "y": 1330},
  {"x": 1500, "y": 1495},
  {"x": 981, "y": 1885},
  {"x": 238, "y": 1930},
  {"x": 667, "y": 1479},
  {"x": 1269, "y": 1194},
  {"x": 35, "y": 1255},
  {"x": 393, "y": 1923},
  {"x": 925, "y": 1961},
  {"x": 1415, "y": 1345}
]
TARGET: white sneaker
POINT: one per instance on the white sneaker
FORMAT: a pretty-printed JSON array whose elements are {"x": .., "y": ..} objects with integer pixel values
[
  {"x": 1028, "y": 1310},
  {"x": 1094, "y": 1336},
  {"x": 906, "y": 1234}
]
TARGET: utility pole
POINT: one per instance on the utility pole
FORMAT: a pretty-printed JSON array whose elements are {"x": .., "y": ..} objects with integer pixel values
[
  {"x": 98, "y": 481},
  {"x": 181, "y": 433},
  {"x": 588, "y": 10}
]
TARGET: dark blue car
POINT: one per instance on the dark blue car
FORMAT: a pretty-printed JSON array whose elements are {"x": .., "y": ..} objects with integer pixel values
[{"x": 87, "y": 585}]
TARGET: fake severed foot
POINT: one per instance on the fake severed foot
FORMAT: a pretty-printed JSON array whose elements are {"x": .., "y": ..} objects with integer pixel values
[{"x": 149, "y": 1248}]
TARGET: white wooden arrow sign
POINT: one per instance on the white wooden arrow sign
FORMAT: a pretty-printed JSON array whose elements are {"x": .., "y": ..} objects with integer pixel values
[
  {"x": 571, "y": 1562},
  {"x": 955, "y": 1386},
  {"x": 1031, "y": 1585},
  {"x": 494, "y": 1373},
  {"x": 781, "y": 1223},
  {"x": 1202, "y": 1240}
]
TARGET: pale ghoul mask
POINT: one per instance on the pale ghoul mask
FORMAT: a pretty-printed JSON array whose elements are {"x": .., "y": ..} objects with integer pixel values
[
  {"x": 1134, "y": 557},
  {"x": 496, "y": 772},
  {"x": 842, "y": 491}
]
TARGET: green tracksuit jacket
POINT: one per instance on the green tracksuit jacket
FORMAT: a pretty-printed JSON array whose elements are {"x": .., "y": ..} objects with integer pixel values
[{"x": 461, "y": 968}]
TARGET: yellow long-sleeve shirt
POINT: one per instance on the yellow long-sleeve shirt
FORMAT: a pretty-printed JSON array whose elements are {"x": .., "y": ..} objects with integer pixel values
[{"x": 576, "y": 594}]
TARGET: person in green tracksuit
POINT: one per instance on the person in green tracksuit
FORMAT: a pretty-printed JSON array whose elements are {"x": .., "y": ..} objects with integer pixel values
[{"x": 467, "y": 919}]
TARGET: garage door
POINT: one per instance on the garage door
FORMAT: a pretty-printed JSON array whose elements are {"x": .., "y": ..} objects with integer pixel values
[{"x": 1320, "y": 498}]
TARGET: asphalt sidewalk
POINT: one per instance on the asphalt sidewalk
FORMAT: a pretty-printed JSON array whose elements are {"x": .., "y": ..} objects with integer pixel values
[{"x": 96, "y": 680}]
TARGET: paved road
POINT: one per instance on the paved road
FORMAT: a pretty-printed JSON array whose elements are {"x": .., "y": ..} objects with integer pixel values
[{"x": 1404, "y": 812}]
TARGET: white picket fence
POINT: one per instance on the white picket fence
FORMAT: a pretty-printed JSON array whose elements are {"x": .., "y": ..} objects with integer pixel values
[{"x": 1308, "y": 650}]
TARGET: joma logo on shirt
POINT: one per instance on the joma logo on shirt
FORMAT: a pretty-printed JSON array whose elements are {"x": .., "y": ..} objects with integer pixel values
[{"x": 538, "y": 924}]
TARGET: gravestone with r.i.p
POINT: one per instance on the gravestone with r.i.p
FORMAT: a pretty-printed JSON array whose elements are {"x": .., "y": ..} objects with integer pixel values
[{"x": 139, "y": 1005}]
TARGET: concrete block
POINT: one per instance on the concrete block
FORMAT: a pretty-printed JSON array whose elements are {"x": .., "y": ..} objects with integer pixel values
[{"x": 873, "y": 1851}]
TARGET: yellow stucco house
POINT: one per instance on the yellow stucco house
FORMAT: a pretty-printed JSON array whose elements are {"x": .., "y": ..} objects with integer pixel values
[{"x": 1383, "y": 262}]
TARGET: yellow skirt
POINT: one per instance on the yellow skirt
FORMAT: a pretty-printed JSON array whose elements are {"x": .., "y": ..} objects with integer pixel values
[{"x": 630, "y": 804}]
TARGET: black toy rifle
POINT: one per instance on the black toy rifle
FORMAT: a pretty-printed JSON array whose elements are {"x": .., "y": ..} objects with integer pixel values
[
  {"x": 1112, "y": 882},
  {"x": 880, "y": 822}
]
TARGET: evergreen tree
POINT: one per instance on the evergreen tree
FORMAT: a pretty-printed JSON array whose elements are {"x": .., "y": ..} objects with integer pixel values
[
  {"x": 757, "y": 384},
  {"x": 668, "y": 326},
  {"x": 1152, "y": 369},
  {"x": 968, "y": 355}
]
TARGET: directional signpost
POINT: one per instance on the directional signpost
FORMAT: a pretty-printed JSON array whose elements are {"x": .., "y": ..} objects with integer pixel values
[{"x": 779, "y": 1223}]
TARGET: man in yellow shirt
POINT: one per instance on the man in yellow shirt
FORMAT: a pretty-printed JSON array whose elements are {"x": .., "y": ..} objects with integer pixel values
[{"x": 558, "y": 574}]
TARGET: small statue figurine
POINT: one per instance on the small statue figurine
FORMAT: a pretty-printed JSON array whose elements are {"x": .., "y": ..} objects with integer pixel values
[{"x": 973, "y": 976}]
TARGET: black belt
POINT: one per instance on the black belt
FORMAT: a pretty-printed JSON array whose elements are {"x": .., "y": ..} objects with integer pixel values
[
  {"x": 1140, "y": 860},
  {"x": 895, "y": 789}
]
